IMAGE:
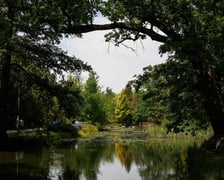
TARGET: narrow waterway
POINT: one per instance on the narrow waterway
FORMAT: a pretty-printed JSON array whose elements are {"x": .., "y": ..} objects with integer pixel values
[{"x": 125, "y": 156}]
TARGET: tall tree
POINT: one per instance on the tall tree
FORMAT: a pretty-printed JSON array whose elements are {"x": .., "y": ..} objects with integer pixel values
[
  {"x": 123, "y": 108},
  {"x": 152, "y": 92},
  {"x": 169, "y": 97},
  {"x": 109, "y": 102},
  {"x": 29, "y": 37},
  {"x": 93, "y": 109},
  {"x": 71, "y": 100},
  {"x": 122, "y": 111}
]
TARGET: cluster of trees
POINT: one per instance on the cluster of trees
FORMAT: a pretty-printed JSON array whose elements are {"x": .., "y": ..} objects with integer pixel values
[
  {"x": 170, "y": 99},
  {"x": 64, "y": 100},
  {"x": 31, "y": 61},
  {"x": 191, "y": 32}
]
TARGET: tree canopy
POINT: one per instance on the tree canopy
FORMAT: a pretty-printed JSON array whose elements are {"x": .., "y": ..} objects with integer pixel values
[
  {"x": 192, "y": 34},
  {"x": 28, "y": 47},
  {"x": 190, "y": 31},
  {"x": 122, "y": 109}
]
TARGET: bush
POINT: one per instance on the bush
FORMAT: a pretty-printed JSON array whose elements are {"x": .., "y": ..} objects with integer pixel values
[
  {"x": 63, "y": 128},
  {"x": 88, "y": 130}
]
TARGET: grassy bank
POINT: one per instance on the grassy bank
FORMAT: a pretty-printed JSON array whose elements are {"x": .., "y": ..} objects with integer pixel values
[
  {"x": 161, "y": 132},
  {"x": 89, "y": 132},
  {"x": 40, "y": 137}
]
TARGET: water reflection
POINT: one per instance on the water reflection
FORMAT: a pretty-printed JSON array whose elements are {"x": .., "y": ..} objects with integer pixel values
[
  {"x": 19, "y": 157},
  {"x": 154, "y": 159},
  {"x": 55, "y": 166}
]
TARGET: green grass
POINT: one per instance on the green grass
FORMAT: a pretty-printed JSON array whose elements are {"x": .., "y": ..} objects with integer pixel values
[
  {"x": 158, "y": 131},
  {"x": 32, "y": 139}
]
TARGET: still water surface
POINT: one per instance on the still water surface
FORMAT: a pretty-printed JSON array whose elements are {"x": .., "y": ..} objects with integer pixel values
[{"x": 105, "y": 159}]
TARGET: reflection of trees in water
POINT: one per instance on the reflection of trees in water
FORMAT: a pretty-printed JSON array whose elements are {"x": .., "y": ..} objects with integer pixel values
[
  {"x": 125, "y": 155},
  {"x": 23, "y": 165},
  {"x": 55, "y": 167},
  {"x": 155, "y": 160},
  {"x": 84, "y": 160},
  {"x": 205, "y": 165},
  {"x": 71, "y": 173},
  {"x": 160, "y": 161},
  {"x": 165, "y": 159}
]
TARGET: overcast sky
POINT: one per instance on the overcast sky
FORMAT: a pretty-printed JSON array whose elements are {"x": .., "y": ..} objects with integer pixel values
[{"x": 115, "y": 66}]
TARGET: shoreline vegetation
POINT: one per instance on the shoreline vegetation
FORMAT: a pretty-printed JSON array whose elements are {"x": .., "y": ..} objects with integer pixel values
[{"x": 89, "y": 132}]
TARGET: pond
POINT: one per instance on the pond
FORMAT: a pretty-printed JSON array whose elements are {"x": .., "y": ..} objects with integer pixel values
[{"x": 120, "y": 157}]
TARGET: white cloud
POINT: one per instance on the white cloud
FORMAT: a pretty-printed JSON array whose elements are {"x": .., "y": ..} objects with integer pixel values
[{"x": 116, "y": 66}]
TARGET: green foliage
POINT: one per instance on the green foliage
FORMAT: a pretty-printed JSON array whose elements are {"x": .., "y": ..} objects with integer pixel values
[
  {"x": 37, "y": 138},
  {"x": 88, "y": 130},
  {"x": 93, "y": 109},
  {"x": 41, "y": 107},
  {"x": 109, "y": 102},
  {"x": 191, "y": 82},
  {"x": 114, "y": 10},
  {"x": 30, "y": 60},
  {"x": 123, "y": 108},
  {"x": 191, "y": 33},
  {"x": 70, "y": 97},
  {"x": 91, "y": 85},
  {"x": 163, "y": 87},
  {"x": 153, "y": 95},
  {"x": 62, "y": 127}
]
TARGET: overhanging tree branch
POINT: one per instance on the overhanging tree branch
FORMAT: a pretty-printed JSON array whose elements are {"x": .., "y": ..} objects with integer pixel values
[{"x": 122, "y": 25}]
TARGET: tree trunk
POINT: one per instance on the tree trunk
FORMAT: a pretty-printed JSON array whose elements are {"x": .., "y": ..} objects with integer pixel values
[
  {"x": 5, "y": 78},
  {"x": 215, "y": 109},
  {"x": 216, "y": 116},
  {"x": 6, "y": 70},
  {"x": 208, "y": 84}
]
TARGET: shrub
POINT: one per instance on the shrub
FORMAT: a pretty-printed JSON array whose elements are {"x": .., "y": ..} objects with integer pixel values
[
  {"x": 63, "y": 128},
  {"x": 88, "y": 130}
]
